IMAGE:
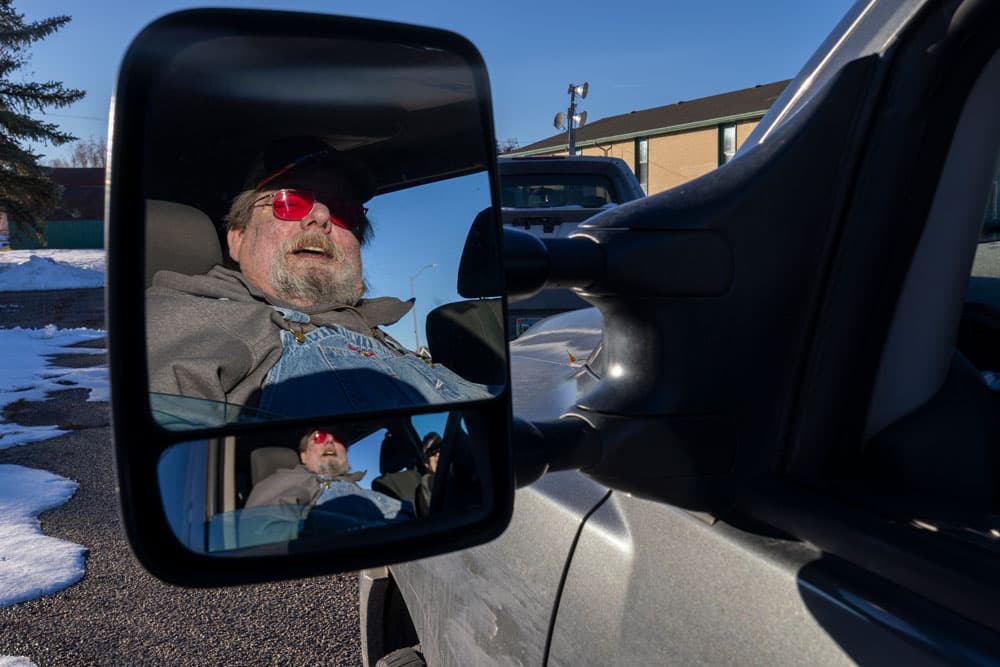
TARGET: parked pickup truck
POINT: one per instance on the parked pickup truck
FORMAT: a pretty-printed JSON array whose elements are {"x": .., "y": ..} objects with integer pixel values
[{"x": 550, "y": 196}]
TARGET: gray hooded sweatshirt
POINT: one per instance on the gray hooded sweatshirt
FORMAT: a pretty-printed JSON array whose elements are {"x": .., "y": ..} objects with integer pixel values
[{"x": 215, "y": 336}]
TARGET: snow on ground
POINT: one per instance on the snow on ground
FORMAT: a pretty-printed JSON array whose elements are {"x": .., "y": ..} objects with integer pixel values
[
  {"x": 15, "y": 661},
  {"x": 31, "y": 563},
  {"x": 24, "y": 374},
  {"x": 44, "y": 269}
]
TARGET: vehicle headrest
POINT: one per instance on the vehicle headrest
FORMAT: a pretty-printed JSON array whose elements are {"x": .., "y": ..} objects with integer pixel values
[
  {"x": 479, "y": 271},
  {"x": 264, "y": 461},
  {"x": 179, "y": 238},
  {"x": 395, "y": 454}
]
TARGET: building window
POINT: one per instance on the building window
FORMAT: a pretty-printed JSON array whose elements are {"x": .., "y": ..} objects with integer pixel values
[
  {"x": 727, "y": 142},
  {"x": 642, "y": 162}
]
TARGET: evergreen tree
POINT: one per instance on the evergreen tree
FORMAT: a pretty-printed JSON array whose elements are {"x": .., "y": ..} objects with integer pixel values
[{"x": 26, "y": 192}]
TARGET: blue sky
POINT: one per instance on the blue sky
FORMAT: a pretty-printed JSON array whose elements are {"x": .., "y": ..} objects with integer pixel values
[{"x": 634, "y": 55}]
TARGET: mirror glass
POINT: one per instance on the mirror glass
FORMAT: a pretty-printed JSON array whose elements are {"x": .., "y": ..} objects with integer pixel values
[
  {"x": 292, "y": 489},
  {"x": 308, "y": 203}
]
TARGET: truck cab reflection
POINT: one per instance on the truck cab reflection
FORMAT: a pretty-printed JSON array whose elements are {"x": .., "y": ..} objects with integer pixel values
[
  {"x": 321, "y": 493},
  {"x": 225, "y": 495}
]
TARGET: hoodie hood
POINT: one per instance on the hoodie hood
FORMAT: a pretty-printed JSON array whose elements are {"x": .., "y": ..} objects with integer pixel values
[{"x": 231, "y": 285}]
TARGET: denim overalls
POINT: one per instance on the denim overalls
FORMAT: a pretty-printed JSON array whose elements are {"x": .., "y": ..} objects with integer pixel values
[
  {"x": 340, "y": 506},
  {"x": 353, "y": 505},
  {"x": 333, "y": 369}
]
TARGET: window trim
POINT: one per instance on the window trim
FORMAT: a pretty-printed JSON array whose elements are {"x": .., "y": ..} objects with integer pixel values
[
  {"x": 642, "y": 166},
  {"x": 723, "y": 159}
]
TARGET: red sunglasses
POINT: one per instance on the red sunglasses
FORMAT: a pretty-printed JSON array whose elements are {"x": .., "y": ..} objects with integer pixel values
[
  {"x": 321, "y": 437},
  {"x": 294, "y": 205}
]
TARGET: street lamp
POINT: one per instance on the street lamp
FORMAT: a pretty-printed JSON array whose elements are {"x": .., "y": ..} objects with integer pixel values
[
  {"x": 416, "y": 333},
  {"x": 571, "y": 118}
]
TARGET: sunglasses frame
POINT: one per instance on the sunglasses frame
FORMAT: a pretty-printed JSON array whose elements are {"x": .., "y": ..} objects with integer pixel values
[{"x": 309, "y": 196}]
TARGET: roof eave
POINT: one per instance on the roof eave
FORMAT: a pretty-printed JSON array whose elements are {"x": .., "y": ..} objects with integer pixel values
[{"x": 660, "y": 131}]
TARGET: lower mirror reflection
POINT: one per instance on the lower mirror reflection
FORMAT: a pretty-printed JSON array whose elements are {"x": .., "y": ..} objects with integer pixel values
[{"x": 231, "y": 495}]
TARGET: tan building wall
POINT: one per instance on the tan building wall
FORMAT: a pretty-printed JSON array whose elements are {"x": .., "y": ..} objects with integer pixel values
[
  {"x": 673, "y": 158},
  {"x": 743, "y": 131},
  {"x": 677, "y": 158},
  {"x": 623, "y": 149}
]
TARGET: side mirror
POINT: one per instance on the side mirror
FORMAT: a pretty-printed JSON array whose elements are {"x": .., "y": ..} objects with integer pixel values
[{"x": 267, "y": 169}]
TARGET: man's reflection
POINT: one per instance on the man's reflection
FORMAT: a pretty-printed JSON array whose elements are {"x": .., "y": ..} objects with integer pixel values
[
  {"x": 324, "y": 483},
  {"x": 289, "y": 332}
]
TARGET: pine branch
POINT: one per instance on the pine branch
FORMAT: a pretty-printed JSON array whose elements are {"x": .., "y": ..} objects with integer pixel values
[
  {"x": 28, "y": 97},
  {"x": 16, "y": 34},
  {"x": 27, "y": 193},
  {"x": 19, "y": 126}
]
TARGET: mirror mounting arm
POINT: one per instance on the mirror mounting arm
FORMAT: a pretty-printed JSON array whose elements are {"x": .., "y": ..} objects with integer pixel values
[
  {"x": 685, "y": 460},
  {"x": 541, "y": 447},
  {"x": 532, "y": 264},
  {"x": 646, "y": 263}
]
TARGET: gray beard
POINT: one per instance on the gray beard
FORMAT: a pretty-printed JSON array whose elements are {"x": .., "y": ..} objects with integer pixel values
[
  {"x": 320, "y": 284},
  {"x": 333, "y": 468}
]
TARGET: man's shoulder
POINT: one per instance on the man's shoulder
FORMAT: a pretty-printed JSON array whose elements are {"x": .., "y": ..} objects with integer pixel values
[
  {"x": 283, "y": 486},
  {"x": 298, "y": 472},
  {"x": 219, "y": 282},
  {"x": 384, "y": 310},
  {"x": 284, "y": 476}
]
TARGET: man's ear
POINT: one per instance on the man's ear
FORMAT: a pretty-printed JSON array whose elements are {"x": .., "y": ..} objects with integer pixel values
[{"x": 234, "y": 238}]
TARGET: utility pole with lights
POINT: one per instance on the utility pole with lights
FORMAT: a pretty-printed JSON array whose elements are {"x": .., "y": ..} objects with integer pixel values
[{"x": 572, "y": 119}]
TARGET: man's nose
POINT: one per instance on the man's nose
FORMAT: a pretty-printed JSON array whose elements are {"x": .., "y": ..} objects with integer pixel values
[{"x": 319, "y": 216}]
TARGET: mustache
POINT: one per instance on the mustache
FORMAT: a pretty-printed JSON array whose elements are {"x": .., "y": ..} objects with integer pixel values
[{"x": 313, "y": 241}]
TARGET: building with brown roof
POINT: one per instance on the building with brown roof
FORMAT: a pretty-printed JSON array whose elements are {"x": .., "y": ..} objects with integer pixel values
[
  {"x": 672, "y": 144},
  {"x": 78, "y": 219}
]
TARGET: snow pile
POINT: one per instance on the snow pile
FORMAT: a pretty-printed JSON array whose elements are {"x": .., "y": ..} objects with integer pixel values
[
  {"x": 15, "y": 661},
  {"x": 22, "y": 270},
  {"x": 24, "y": 374},
  {"x": 31, "y": 563},
  {"x": 81, "y": 259}
]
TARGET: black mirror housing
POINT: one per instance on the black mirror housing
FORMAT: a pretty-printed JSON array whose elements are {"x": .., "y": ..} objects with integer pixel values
[{"x": 164, "y": 151}]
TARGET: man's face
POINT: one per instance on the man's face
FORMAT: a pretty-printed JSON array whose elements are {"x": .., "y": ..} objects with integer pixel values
[
  {"x": 325, "y": 455},
  {"x": 302, "y": 262},
  {"x": 432, "y": 461}
]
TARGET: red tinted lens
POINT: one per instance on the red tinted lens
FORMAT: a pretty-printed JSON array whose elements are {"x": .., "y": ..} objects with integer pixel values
[
  {"x": 346, "y": 213},
  {"x": 292, "y": 204},
  {"x": 321, "y": 438}
]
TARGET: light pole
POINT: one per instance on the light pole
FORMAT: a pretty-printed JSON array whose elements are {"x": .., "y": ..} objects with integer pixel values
[
  {"x": 572, "y": 119},
  {"x": 416, "y": 332}
]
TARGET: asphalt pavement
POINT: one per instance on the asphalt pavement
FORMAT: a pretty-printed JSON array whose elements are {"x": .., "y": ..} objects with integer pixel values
[{"x": 118, "y": 614}]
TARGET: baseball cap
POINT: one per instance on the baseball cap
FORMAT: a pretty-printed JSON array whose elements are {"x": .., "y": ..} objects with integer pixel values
[{"x": 307, "y": 162}]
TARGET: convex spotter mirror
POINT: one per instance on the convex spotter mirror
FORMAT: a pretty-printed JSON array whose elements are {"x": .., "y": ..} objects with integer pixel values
[
  {"x": 295, "y": 489},
  {"x": 291, "y": 208}
]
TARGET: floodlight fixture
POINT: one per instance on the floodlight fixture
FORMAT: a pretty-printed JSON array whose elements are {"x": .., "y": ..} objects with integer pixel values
[{"x": 574, "y": 120}]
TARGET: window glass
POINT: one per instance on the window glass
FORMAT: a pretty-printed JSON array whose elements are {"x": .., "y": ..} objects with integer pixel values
[
  {"x": 551, "y": 190},
  {"x": 727, "y": 142},
  {"x": 987, "y": 262},
  {"x": 932, "y": 458},
  {"x": 642, "y": 162}
]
